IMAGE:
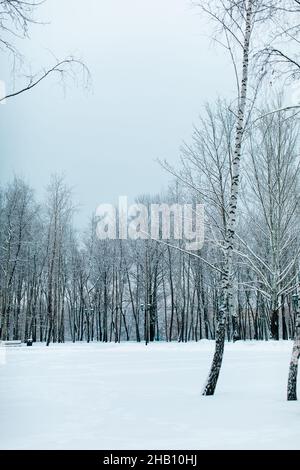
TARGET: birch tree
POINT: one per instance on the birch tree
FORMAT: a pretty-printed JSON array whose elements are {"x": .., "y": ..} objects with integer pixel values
[
  {"x": 239, "y": 16},
  {"x": 237, "y": 21},
  {"x": 293, "y": 369}
]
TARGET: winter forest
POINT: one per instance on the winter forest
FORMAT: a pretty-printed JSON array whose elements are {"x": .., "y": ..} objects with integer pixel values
[
  {"x": 63, "y": 286},
  {"x": 58, "y": 286}
]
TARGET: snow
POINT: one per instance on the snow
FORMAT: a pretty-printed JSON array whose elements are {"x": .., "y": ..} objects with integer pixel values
[{"x": 132, "y": 396}]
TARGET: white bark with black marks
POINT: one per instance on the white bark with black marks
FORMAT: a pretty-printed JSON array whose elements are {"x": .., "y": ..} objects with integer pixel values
[
  {"x": 212, "y": 380},
  {"x": 293, "y": 371}
]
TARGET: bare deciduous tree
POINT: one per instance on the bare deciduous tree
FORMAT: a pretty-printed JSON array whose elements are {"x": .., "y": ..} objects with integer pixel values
[{"x": 16, "y": 18}]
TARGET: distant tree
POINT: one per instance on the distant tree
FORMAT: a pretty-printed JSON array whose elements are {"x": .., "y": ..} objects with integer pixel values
[{"x": 17, "y": 219}]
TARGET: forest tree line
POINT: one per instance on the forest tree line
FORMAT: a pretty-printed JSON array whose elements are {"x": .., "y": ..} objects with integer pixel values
[{"x": 58, "y": 284}]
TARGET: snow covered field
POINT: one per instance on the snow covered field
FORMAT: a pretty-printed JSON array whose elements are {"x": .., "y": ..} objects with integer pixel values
[{"x": 128, "y": 396}]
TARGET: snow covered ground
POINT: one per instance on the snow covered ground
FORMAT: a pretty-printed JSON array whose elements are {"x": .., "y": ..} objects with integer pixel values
[{"x": 129, "y": 396}]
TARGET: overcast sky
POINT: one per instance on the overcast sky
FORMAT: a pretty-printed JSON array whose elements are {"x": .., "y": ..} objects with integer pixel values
[{"x": 153, "y": 67}]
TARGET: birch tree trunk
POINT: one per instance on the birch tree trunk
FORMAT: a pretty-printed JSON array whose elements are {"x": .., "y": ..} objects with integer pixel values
[
  {"x": 212, "y": 380},
  {"x": 293, "y": 371}
]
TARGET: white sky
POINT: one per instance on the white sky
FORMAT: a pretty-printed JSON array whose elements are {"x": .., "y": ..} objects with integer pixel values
[{"x": 153, "y": 67}]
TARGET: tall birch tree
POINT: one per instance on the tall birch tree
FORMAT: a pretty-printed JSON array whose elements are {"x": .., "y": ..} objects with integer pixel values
[{"x": 237, "y": 21}]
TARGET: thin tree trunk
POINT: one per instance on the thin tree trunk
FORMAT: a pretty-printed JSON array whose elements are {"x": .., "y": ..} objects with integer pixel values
[
  {"x": 293, "y": 371},
  {"x": 212, "y": 380}
]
